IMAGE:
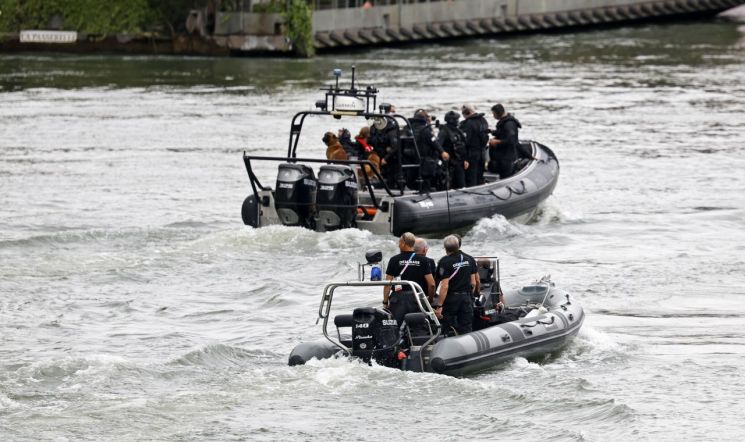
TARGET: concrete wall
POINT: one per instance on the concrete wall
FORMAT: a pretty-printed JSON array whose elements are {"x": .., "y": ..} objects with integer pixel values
[
  {"x": 411, "y": 21},
  {"x": 407, "y": 15},
  {"x": 553, "y": 6},
  {"x": 235, "y": 23}
]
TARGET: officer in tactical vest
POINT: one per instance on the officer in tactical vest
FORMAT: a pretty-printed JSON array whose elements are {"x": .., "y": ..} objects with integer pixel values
[
  {"x": 429, "y": 148},
  {"x": 453, "y": 141}
]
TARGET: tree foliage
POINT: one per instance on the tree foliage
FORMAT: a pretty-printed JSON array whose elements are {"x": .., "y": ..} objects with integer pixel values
[
  {"x": 300, "y": 27},
  {"x": 95, "y": 16}
]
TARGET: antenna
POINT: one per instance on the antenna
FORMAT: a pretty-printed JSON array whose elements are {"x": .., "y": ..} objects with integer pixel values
[
  {"x": 353, "y": 90},
  {"x": 337, "y": 74}
]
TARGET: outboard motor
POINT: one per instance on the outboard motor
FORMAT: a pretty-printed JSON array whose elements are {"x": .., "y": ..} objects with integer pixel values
[
  {"x": 295, "y": 196},
  {"x": 337, "y": 196},
  {"x": 375, "y": 336}
]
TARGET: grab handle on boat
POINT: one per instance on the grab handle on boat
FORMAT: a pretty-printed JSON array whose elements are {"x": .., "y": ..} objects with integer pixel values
[{"x": 526, "y": 325}]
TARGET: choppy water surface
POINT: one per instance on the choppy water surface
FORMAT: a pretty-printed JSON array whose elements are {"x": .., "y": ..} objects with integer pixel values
[{"x": 135, "y": 305}]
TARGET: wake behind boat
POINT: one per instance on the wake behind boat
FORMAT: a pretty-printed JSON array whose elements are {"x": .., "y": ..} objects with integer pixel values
[
  {"x": 536, "y": 320},
  {"x": 353, "y": 193}
]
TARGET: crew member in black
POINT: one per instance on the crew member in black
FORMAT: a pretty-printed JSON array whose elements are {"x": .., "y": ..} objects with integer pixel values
[
  {"x": 386, "y": 144},
  {"x": 429, "y": 149},
  {"x": 406, "y": 266},
  {"x": 455, "y": 301},
  {"x": 476, "y": 129},
  {"x": 474, "y": 267},
  {"x": 453, "y": 140},
  {"x": 350, "y": 147},
  {"x": 505, "y": 146},
  {"x": 421, "y": 248}
]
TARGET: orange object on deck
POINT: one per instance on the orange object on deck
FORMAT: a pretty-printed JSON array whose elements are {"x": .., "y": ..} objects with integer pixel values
[{"x": 369, "y": 211}]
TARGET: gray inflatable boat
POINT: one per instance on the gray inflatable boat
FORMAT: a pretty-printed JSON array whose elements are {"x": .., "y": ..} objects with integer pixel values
[
  {"x": 331, "y": 194},
  {"x": 533, "y": 321}
]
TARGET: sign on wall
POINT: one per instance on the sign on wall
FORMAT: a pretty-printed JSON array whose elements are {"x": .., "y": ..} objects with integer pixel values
[{"x": 33, "y": 36}]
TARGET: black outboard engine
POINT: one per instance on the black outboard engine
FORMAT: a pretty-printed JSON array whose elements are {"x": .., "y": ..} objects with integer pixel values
[
  {"x": 337, "y": 196},
  {"x": 375, "y": 336},
  {"x": 295, "y": 197}
]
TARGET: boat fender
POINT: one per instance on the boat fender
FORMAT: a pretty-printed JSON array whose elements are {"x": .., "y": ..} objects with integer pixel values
[
  {"x": 438, "y": 365},
  {"x": 250, "y": 211}
]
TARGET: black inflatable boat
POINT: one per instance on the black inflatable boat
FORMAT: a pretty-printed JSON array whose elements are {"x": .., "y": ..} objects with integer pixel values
[
  {"x": 340, "y": 196},
  {"x": 536, "y": 320}
]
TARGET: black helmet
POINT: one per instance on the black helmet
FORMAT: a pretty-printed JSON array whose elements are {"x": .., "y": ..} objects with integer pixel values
[{"x": 452, "y": 117}]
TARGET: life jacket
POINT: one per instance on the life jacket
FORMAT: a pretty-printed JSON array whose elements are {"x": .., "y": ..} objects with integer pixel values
[{"x": 366, "y": 147}]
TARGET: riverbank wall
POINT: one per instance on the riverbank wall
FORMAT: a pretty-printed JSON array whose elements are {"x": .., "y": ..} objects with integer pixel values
[{"x": 385, "y": 22}]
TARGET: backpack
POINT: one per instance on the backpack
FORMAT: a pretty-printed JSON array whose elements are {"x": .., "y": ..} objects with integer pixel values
[{"x": 458, "y": 138}]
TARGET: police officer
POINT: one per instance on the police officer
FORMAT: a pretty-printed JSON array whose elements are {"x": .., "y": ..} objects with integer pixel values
[
  {"x": 505, "y": 146},
  {"x": 476, "y": 129},
  {"x": 453, "y": 141},
  {"x": 407, "y": 266},
  {"x": 386, "y": 145},
  {"x": 455, "y": 301},
  {"x": 421, "y": 248},
  {"x": 430, "y": 149}
]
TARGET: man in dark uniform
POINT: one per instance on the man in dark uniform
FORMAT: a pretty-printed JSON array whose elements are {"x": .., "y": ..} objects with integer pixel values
[
  {"x": 429, "y": 149},
  {"x": 455, "y": 301},
  {"x": 474, "y": 266},
  {"x": 421, "y": 248},
  {"x": 406, "y": 266},
  {"x": 476, "y": 129},
  {"x": 453, "y": 140},
  {"x": 386, "y": 144},
  {"x": 505, "y": 146}
]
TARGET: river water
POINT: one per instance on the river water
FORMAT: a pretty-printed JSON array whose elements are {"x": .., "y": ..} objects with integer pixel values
[{"x": 135, "y": 305}]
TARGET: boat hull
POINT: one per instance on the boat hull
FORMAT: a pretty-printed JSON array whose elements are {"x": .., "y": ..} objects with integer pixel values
[
  {"x": 442, "y": 211},
  {"x": 553, "y": 319},
  {"x": 511, "y": 197}
]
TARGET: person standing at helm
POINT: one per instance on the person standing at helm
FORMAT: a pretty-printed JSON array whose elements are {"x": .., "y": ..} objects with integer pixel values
[
  {"x": 476, "y": 129},
  {"x": 455, "y": 301},
  {"x": 505, "y": 146},
  {"x": 453, "y": 141},
  {"x": 407, "y": 266}
]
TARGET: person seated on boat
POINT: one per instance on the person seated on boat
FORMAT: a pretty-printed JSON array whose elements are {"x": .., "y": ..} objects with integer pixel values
[
  {"x": 406, "y": 266},
  {"x": 485, "y": 275},
  {"x": 334, "y": 149},
  {"x": 453, "y": 140},
  {"x": 476, "y": 129},
  {"x": 367, "y": 153},
  {"x": 505, "y": 147},
  {"x": 350, "y": 147},
  {"x": 429, "y": 149},
  {"x": 454, "y": 304},
  {"x": 421, "y": 248}
]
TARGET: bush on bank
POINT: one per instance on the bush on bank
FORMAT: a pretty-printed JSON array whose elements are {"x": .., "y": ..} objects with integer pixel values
[{"x": 95, "y": 16}]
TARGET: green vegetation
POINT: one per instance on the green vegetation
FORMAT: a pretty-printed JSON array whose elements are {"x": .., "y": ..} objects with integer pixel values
[
  {"x": 300, "y": 27},
  {"x": 94, "y": 16},
  {"x": 105, "y": 17}
]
